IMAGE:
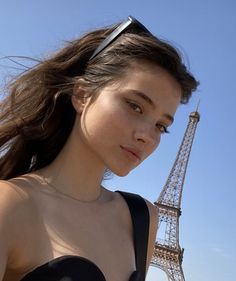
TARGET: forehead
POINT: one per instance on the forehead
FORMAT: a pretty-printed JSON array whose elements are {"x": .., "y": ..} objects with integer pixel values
[{"x": 151, "y": 78}]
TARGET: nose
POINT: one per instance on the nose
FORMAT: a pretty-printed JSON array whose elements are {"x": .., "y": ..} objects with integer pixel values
[{"x": 148, "y": 136}]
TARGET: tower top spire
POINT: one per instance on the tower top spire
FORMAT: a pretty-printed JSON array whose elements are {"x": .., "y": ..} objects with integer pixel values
[
  {"x": 198, "y": 105},
  {"x": 196, "y": 114}
]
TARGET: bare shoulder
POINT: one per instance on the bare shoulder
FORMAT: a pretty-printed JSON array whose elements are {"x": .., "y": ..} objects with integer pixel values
[
  {"x": 13, "y": 200},
  {"x": 15, "y": 210},
  {"x": 15, "y": 206},
  {"x": 9, "y": 203},
  {"x": 152, "y": 230}
]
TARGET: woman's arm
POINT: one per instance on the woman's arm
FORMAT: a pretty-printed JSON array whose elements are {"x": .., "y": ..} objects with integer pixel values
[
  {"x": 152, "y": 231},
  {"x": 10, "y": 202},
  {"x": 6, "y": 203},
  {"x": 3, "y": 254}
]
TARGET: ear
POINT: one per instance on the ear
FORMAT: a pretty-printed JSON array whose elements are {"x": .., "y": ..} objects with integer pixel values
[{"x": 80, "y": 96}]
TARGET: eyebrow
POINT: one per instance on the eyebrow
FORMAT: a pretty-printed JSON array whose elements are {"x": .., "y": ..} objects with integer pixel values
[{"x": 150, "y": 102}]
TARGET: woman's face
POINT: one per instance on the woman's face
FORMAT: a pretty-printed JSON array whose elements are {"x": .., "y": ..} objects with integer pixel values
[{"x": 123, "y": 124}]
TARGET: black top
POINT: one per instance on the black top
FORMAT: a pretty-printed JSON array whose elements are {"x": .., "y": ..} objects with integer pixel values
[{"x": 76, "y": 268}]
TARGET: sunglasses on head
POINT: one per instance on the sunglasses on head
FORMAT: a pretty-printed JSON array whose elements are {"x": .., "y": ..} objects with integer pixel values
[{"x": 130, "y": 23}]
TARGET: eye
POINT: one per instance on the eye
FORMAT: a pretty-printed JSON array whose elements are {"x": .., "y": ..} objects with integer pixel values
[
  {"x": 162, "y": 128},
  {"x": 135, "y": 106}
]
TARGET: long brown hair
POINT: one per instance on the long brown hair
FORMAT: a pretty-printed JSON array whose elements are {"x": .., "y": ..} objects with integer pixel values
[{"x": 36, "y": 116}]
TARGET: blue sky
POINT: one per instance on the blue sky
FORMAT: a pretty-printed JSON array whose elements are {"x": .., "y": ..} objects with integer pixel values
[{"x": 205, "y": 32}]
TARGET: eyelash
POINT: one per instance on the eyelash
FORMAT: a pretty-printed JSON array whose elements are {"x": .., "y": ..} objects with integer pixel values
[
  {"x": 162, "y": 129},
  {"x": 135, "y": 106}
]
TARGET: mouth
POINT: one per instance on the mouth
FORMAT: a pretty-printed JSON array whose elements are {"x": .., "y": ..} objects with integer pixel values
[{"x": 132, "y": 153}]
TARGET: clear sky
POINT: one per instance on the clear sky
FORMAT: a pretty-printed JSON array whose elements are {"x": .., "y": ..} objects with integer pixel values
[{"x": 205, "y": 32}]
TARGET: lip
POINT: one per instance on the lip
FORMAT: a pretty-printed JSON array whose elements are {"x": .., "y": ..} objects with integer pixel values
[{"x": 132, "y": 153}]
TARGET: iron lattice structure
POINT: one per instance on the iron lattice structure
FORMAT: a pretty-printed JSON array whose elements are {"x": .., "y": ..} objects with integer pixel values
[{"x": 168, "y": 254}]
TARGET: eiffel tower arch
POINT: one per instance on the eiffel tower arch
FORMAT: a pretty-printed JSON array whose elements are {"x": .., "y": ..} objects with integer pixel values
[{"x": 168, "y": 255}]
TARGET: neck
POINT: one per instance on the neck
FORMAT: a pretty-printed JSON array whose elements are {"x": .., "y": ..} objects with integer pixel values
[{"x": 76, "y": 172}]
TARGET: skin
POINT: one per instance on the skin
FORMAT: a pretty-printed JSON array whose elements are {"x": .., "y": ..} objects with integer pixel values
[{"x": 118, "y": 128}]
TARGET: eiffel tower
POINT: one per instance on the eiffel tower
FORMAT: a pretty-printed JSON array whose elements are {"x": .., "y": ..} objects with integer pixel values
[{"x": 168, "y": 254}]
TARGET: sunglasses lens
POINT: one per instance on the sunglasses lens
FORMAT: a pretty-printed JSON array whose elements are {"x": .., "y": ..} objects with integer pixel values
[{"x": 130, "y": 24}]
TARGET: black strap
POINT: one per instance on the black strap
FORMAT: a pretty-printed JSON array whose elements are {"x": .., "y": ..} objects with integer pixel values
[{"x": 140, "y": 218}]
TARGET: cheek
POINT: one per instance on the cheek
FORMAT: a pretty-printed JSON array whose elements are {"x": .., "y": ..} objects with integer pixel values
[
  {"x": 102, "y": 124},
  {"x": 155, "y": 147}
]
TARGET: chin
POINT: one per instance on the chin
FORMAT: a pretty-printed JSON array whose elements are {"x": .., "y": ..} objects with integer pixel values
[{"x": 121, "y": 173}]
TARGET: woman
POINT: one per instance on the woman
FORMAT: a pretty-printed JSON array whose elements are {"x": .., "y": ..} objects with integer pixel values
[{"x": 99, "y": 104}]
